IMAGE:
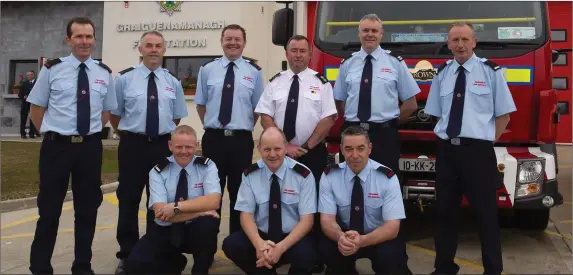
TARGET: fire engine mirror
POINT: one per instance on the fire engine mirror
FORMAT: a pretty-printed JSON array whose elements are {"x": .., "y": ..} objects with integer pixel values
[
  {"x": 283, "y": 22},
  {"x": 563, "y": 107},
  {"x": 554, "y": 56}
]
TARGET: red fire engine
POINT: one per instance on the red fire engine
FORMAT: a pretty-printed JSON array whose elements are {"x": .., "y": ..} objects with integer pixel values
[{"x": 515, "y": 35}]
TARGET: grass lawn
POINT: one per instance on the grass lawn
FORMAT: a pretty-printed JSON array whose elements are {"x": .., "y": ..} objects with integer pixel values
[{"x": 20, "y": 177}]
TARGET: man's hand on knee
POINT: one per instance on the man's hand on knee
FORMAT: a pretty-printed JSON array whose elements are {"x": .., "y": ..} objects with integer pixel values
[
  {"x": 261, "y": 248},
  {"x": 345, "y": 246}
]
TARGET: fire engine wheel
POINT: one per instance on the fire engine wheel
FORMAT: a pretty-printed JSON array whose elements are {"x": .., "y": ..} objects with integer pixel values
[{"x": 534, "y": 219}]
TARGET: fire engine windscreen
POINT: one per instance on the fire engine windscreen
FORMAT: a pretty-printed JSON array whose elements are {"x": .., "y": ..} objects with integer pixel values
[{"x": 427, "y": 22}]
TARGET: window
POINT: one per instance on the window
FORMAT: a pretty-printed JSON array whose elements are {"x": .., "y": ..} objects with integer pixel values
[
  {"x": 186, "y": 68},
  {"x": 561, "y": 60},
  {"x": 560, "y": 83},
  {"x": 18, "y": 69},
  {"x": 559, "y": 35}
]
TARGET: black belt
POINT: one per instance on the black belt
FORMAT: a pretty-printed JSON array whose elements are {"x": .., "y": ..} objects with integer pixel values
[
  {"x": 228, "y": 133},
  {"x": 374, "y": 125},
  {"x": 50, "y": 135},
  {"x": 145, "y": 137},
  {"x": 464, "y": 141}
]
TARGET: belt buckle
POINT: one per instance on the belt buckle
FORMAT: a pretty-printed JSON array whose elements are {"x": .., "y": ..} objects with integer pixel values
[
  {"x": 365, "y": 126},
  {"x": 455, "y": 141},
  {"x": 228, "y": 133},
  {"x": 77, "y": 139}
]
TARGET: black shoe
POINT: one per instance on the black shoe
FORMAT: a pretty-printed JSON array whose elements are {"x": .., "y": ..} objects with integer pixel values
[
  {"x": 120, "y": 268},
  {"x": 318, "y": 268},
  {"x": 24, "y": 137},
  {"x": 32, "y": 136}
]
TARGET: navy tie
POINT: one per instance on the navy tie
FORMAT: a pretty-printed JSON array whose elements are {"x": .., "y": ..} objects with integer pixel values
[
  {"x": 357, "y": 204},
  {"x": 226, "y": 107},
  {"x": 365, "y": 91},
  {"x": 457, "y": 108},
  {"x": 290, "y": 113},
  {"x": 178, "y": 229},
  {"x": 275, "y": 218},
  {"x": 83, "y": 103},
  {"x": 152, "y": 122}
]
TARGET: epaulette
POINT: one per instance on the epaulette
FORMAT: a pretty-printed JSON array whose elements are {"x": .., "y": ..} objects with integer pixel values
[
  {"x": 104, "y": 66},
  {"x": 395, "y": 55},
  {"x": 217, "y": 58},
  {"x": 303, "y": 171},
  {"x": 252, "y": 168},
  {"x": 443, "y": 66},
  {"x": 329, "y": 167},
  {"x": 201, "y": 160},
  {"x": 386, "y": 171},
  {"x": 170, "y": 72},
  {"x": 343, "y": 60},
  {"x": 275, "y": 76},
  {"x": 127, "y": 70},
  {"x": 322, "y": 78},
  {"x": 52, "y": 62},
  {"x": 254, "y": 65},
  {"x": 490, "y": 64},
  {"x": 161, "y": 165}
]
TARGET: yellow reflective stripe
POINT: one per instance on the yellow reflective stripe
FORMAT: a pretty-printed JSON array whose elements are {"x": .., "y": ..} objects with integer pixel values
[
  {"x": 512, "y": 75},
  {"x": 517, "y": 75}
]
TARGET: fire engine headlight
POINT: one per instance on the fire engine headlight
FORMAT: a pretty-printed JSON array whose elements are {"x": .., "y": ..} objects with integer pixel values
[{"x": 530, "y": 171}]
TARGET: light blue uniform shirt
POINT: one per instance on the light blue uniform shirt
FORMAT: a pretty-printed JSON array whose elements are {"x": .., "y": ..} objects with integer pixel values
[
  {"x": 392, "y": 81},
  {"x": 382, "y": 195},
  {"x": 298, "y": 194},
  {"x": 131, "y": 89},
  {"x": 56, "y": 89},
  {"x": 202, "y": 179},
  {"x": 487, "y": 96},
  {"x": 246, "y": 95}
]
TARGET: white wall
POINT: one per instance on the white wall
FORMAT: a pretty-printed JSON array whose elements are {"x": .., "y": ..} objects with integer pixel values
[{"x": 256, "y": 17}]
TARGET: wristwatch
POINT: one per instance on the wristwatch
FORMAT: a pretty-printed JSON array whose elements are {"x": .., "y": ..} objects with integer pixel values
[
  {"x": 176, "y": 209},
  {"x": 305, "y": 146}
]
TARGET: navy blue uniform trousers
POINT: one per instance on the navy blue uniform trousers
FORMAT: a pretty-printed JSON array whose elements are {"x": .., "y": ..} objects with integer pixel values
[
  {"x": 154, "y": 253},
  {"x": 137, "y": 155},
  {"x": 239, "y": 249},
  {"x": 58, "y": 158},
  {"x": 387, "y": 258}
]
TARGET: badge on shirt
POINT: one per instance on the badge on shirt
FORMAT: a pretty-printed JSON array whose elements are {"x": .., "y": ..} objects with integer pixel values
[
  {"x": 289, "y": 191},
  {"x": 99, "y": 81},
  {"x": 169, "y": 89},
  {"x": 314, "y": 89},
  {"x": 373, "y": 195},
  {"x": 479, "y": 83},
  {"x": 248, "y": 78},
  {"x": 198, "y": 185},
  {"x": 385, "y": 70}
]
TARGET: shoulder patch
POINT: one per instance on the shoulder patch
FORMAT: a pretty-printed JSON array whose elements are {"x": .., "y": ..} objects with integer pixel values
[
  {"x": 322, "y": 78},
  {"x": 217, "y": 58},
  {"x": 252, "y": 168},
  {"x": 127, "y": 70},
  {"x": 386, "y": 171},
  {"x": 303, "y": 171},
  {"x": 490, "y": 64},
  {"x": 395, "y": 55},
  {"x": 344, "y": 60},
  {"x": 254, "y": 65},
  {"x": 201, "y": 160},
  {"x": 161, "y": 165},
  {"x": 170, "y": 72},
  {"x": 330, "y": 167},
  {"x": 104, "y": 66},
  {"x": 52, "y": 62},
  {"x": 275, "y": 76}
]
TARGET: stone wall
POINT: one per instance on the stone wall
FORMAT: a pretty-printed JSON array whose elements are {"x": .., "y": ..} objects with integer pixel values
[{"x": 30, "y": 30}]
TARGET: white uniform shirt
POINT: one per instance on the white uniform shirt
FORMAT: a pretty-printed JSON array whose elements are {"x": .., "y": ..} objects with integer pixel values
[{"x": 315, "y": 102}]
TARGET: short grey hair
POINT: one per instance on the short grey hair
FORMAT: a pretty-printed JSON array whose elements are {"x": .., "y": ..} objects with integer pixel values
[
  {"x": 156, "y": 33},
  {"x": 372, "y": 17},
  {"x": 463, "y": 24},
  {"x": 184, "y": 130}
]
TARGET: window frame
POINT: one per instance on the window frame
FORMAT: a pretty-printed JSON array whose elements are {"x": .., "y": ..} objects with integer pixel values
[
  {"x": 12, "y": 71},
  {"x": 559, "y": 30},
  {"x": 566, "y": 83}
]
